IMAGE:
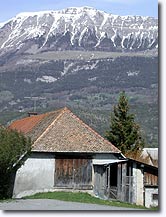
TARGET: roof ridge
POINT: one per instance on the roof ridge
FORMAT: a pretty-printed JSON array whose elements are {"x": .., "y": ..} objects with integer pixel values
[
  {"x": 42, "y": 114},
  {"x": 89, "y": 128},
  {"x": 38, "y": 126},
  {"x": 51, "y": 112},
  {"x": 150, "y": 158},
  {"x": 39, "y": 117},
  {"x": 60, "y": 114}
]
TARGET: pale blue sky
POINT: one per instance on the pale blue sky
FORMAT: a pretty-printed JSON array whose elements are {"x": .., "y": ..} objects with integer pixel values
[{"x": 9, "y": 8}]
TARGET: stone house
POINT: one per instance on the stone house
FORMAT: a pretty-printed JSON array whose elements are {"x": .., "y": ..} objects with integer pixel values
[{"x": 66, "y": 154}]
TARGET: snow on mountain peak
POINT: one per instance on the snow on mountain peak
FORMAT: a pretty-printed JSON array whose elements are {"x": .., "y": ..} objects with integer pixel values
[
  {"x": 70, "y": 11},
  {"x": 1, "y": 24},
  {"x": 83, "y": 27},
  {"x": 76, "y": 10}
]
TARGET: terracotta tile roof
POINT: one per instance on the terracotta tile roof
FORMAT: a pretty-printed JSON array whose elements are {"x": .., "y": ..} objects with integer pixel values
[
  {"x": 33, "y": 126},
  {"x": 62, "y": 131},
  {"x": 25, "y": 125}
]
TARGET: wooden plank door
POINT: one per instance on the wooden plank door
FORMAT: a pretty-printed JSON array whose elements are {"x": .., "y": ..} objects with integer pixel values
[
  {"x": 64, "y": 173},
  {"x": 73, "y": 173}
]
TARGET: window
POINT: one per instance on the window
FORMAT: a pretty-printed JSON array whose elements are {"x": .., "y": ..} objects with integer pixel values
[{"x": 155, "y": 196}]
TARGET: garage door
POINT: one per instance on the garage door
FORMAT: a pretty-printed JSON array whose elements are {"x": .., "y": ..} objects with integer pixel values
[{"x": 73, "y": 173}]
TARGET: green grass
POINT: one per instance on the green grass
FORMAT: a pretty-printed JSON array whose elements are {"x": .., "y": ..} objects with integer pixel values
[
  {"x": 6, "y": 200},
  {"x": 82, "y": 198}
]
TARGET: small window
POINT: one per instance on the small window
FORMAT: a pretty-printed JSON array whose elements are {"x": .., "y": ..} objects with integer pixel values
[{"x": 155, "y": 196}]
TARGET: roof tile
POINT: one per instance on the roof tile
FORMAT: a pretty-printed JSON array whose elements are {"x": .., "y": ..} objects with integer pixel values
[{"x": 62, "y": 131}]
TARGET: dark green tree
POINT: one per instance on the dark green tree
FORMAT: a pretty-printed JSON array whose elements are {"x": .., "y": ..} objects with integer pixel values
[
  {"x": 124, "y": 132},
  {"x": 13, "y": 147}
]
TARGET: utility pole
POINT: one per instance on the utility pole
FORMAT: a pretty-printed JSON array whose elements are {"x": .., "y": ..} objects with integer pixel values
[{"x": 34, "y": 99}]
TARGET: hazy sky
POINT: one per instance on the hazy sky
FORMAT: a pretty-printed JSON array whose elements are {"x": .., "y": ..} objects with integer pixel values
[{"x": 9, "y": 8}]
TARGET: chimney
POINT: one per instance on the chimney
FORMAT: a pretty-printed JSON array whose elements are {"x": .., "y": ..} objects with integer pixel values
[{"x": 32, "y": 114}]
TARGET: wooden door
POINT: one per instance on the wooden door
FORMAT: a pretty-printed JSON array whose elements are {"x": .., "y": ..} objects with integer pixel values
[{"x": 73, "y": 173}]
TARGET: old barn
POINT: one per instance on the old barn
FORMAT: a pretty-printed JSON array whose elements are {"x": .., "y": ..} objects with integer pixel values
[{"x": 66, "y": 154}]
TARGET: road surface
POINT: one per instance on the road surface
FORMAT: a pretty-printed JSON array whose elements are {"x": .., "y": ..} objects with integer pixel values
[{"x": 48, "y": 204}]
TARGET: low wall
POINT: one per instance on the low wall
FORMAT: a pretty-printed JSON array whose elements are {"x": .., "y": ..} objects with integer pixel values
[{"x": 151, "y": 197}]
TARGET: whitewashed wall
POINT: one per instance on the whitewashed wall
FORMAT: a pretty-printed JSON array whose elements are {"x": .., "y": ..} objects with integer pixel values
[
  {"x": 36, "y": 175},
  {"x": 149, "y": 202},
  {"x": 138, "y": 185}
]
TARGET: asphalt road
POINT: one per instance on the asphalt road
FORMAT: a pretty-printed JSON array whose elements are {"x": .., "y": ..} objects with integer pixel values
[{"x": 47, "y": 204}]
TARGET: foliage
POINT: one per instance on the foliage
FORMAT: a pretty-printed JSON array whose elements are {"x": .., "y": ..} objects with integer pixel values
[
  {"x": 92, "y": 85},
  {"x": 124, "y": 132},
  {"x": 82, "y": 198},
  {"x": 13, "y": 147}
]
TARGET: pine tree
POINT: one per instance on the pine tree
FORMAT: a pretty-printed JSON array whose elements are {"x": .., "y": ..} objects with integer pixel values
[{"x": 124, "y": 132}]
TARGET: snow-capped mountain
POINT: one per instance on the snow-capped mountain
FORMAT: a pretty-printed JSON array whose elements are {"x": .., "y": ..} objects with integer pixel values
[
  {"x": 78, "y": 28},
  {"x": 1, "y": 24},
  {"x": 59, "y": 55}
]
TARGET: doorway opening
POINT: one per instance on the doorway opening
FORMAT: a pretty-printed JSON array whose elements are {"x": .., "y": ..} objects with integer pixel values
[{"x": 111, "y": 180}]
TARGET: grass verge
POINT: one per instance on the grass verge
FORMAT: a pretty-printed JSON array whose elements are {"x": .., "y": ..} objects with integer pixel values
[
  {"x": 82, "y": 198},
  {"x": 6, "y": 200}
]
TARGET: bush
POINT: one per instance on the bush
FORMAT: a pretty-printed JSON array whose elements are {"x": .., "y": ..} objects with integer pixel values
[{"x": 13, "y": 147}]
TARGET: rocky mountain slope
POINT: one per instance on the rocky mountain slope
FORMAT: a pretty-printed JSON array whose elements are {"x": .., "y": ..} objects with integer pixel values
[
  {"x": 81, "y": 58},
  {"x": 89, "y": 86},
  {"x": 81, "y": 28}
]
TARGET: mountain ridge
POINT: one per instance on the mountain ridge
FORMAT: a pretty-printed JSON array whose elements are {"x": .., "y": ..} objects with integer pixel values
[
  {"x": 79, "y": 28},
  {"x": 83, "y": 61}
]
